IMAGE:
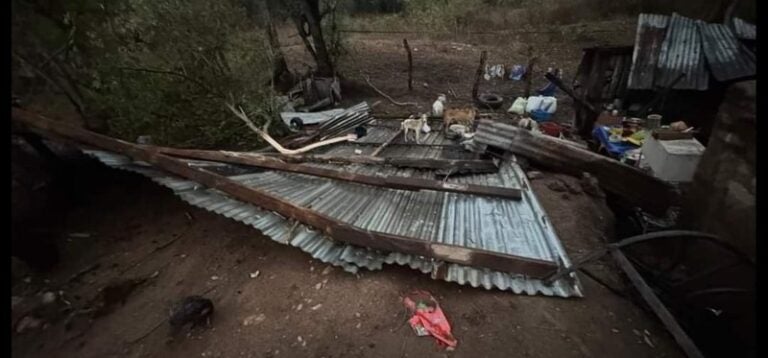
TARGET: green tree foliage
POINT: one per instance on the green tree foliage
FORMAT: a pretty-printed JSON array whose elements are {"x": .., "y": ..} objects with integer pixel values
[{"x": 152, "y": 67}]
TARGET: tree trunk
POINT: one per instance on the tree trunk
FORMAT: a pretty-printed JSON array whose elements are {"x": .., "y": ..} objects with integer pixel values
[
  {"x": 279, "y": 65},
  {"x": 306, "y": 14}
]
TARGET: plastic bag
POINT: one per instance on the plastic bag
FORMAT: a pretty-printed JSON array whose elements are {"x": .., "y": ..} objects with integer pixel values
[{"x": 518, "y": 107}]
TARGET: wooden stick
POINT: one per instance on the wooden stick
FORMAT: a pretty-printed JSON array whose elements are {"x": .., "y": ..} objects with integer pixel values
[
  {"x": 332, "y": 227},
  {"x": 368, "y": 81},
  {"x": 410, "y": 64},
  {"x": 385, "y": 144},
  {"x": 479, "y": 74},
  {"x": 657, "y": 306}
]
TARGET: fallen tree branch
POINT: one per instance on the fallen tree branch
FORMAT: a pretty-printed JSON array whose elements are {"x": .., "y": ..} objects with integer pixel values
[
  {"x": 264, "y": 135},
  {"x": 368, "y": 81},
  {"x": 334, "y": 228},
  {"x": 177, "y": 74}
]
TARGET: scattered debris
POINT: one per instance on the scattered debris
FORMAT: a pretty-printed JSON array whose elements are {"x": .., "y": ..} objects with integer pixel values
[
  {"x": 191, "y": 310},
  {"x": 533, "y": 175},
  {"x": 428, "y": 318},
  {"x": 28, "y": 323},
  {"x": 648, "y": 341},
  {"x": 254, "y": 319},
  {"x": 79, "y": 235},
  {"x": 79, "y": 274},
  {"x": 49, "y": 297},
  {"x": 557, "y": 185}
]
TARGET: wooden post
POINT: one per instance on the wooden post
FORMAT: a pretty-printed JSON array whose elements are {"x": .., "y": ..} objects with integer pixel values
[
  {"x": 479, "y": 74},
  {"x": 410, "y": 64},
  {"x": 529, "y": 72}
]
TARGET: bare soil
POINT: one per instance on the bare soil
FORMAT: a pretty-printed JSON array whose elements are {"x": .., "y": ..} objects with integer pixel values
[{"x": 134, "y": 228}]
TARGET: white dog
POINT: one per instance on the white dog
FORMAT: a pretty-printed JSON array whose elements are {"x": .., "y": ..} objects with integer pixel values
[{"x": 414, "y": 125}]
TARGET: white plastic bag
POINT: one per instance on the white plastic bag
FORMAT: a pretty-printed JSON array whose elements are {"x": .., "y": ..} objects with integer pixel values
[
  {"x": 518, "y": 107},
  {"x": 541, "y": 103}
]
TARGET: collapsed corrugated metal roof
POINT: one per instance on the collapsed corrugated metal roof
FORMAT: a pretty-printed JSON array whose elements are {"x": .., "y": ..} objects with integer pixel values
[
  {"x": 667, "y": 46},
  {"x": 728, "y": 58},
  {"x": 743, "y": 29},
  {"x": 651, "y": 30},
  {"x": 681, "y": 54},
  {"x": 518, "y": 227}
]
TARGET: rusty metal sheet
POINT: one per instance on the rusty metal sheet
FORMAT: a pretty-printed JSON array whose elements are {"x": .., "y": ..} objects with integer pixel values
[
  {"x": 651, "y": 31},
  {"x": 728, "y": 59}
]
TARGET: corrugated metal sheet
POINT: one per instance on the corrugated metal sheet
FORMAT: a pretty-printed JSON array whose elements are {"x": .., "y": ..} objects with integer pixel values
[
  {"x": 508, "y": 226},
  {"x": 681, "y": 53},
  {"x": 651, "y": 30},
  {"x": 743, "y": 29},
  {"x": 728, "y": 59}
]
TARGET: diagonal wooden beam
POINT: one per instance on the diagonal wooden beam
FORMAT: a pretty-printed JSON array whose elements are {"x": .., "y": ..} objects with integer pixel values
[
  {"x": 392, "y": 182},
  {"x": 335, "y": 229},
  {"x": 460, "y": 166}
]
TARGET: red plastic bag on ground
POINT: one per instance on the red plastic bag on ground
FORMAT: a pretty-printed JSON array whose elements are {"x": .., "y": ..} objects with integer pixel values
[{"x": 428, "y": 318}]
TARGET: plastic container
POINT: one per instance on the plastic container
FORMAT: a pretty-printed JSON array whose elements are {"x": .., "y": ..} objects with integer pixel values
[
  {"x": 541, "y": 115},
  {"x": 653, "y": 121}
]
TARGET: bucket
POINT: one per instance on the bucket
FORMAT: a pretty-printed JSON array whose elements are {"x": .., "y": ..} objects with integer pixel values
[{"x": 653, "y": 121}]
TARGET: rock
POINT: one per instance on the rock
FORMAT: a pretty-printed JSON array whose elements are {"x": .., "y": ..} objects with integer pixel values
[
  {"x": 327, "y": 270},
  {"x": 557, "y": 186},
  {"x": 614, "y": 330},
  {"x": 254, "y": 274},
  {"x": 573, "y": 189},
  {"x": 49, "y": 297},
  {"x": 316, "y": 307},
  {"x": 27, "y": 323},
  {"x": 533, "y": 175},
  {"x": 299, "y": 307},
  {"x": 254, "y": 319},
  {"x": 591, "y": 186}
]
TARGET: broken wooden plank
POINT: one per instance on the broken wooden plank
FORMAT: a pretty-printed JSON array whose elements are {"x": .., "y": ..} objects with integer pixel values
[
  {"x": 385, "y": 144},
  {"x": 456, "y": 166},
  {"x": 628, "y": 183},
  {"x": 657, "y": 306},
  {"x": 335, "y": 229},
  {"x": 403, "y": 183}
]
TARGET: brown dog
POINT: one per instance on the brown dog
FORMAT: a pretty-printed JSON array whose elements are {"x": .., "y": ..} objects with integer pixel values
[{"x": 463, "y": 116}]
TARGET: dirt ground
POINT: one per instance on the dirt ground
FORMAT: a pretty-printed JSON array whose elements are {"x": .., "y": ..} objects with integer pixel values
[
  {"x": 123, "y": 226},
  {"x": 296, "y": 306}
]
